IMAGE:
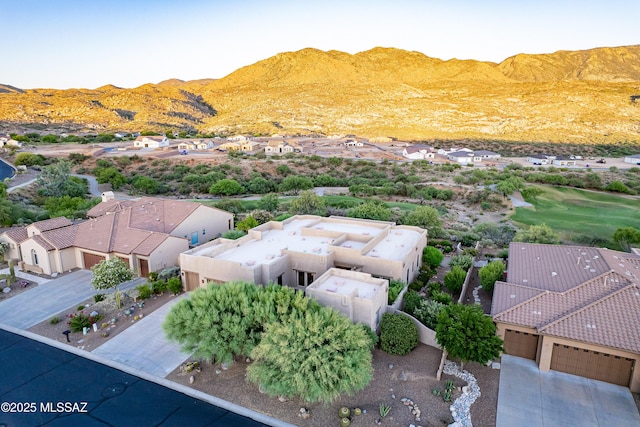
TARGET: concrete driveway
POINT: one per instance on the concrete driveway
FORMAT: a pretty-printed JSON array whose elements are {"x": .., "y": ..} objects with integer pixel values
[
  {"x": 532, "y": 398},
  {"x": 143, "y": 346},
  {"x": 48, "y": 299}
]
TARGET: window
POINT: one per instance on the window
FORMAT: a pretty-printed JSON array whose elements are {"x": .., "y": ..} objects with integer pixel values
[
  {"x": 280, "y": 281},
  {"x": 34, "y": 256},
  {"x": 204, "y": 231},
  {"x": 194, "y": 238},
  {"x": 305, "y": 278}
]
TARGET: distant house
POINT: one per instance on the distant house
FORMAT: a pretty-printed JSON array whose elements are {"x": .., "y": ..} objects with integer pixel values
[
  {"x": 204, "y": 145},
  {"x": 238, "y": 138},
  {"x": 147, "y": 234},
  {"x": 464, "y": 157},
  {"x": 121, "y": 134},
  {"x": 538, "y": 159},
  {"x": 151, "y": 141},
  {"x": 282, "y": 147},
  {"x": 572, "y": 309},
  {"x": 419, "y": 152},
  {"x": 187, "y": 146},
  {"x": 250, "y": 146},
  {"x": 359, "y": 296},
  {"x": 486, "y": 154},
  {"x": 352, "y": 143},
  {"x": 230, "y": 146},
  {"x": 446, "y": 151},
  {"x": 564, "y": 161},
  {"x": 634, "y": 159}
]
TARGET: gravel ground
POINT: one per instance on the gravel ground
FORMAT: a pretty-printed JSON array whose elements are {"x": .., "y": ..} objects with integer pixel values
[{"x": 395, "y": 377}]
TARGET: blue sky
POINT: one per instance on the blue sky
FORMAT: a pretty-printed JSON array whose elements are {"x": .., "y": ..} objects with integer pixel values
[{"x": 90, "y": 43}]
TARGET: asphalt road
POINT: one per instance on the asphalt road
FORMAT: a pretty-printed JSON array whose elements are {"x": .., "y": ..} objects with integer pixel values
[{"x": 44, "y": 385}]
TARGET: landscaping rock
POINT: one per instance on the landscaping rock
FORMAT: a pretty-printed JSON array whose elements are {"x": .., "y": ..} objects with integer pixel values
[{"x": 460, "y": 409}]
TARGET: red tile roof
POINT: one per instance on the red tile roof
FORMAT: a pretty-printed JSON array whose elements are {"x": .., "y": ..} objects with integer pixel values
[
  {"x": 573, "y": 292},
  {"x": 17, "y": 234},
  {"x": 51, "y": 224}
]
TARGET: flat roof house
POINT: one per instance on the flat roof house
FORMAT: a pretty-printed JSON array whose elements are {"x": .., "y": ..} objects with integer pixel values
[
  {"x": 359, "y": 296},
  {"x": 572, "y": 309},
  {"x": 297, "y": 251}
]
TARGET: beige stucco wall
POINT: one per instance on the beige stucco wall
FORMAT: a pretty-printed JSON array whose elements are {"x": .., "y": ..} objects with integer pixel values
[
  {"x": 425, "y": 335},
  {"x": 167, "y": 253},
  {"x": 44, "y": 263},
  {"x": 13, "y": 251},
  {"x": 213, "y": 221}
]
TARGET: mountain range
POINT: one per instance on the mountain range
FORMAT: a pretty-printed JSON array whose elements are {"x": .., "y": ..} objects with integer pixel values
[{"x": 588, "y": 96}]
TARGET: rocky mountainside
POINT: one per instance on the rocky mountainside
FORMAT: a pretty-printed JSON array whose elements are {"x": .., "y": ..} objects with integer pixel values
[{"x": 567, "y": 96}]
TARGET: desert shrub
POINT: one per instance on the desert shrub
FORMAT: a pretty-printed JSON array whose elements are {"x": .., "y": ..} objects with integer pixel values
[
  {"x": 469, "y": 238},
  {"x": 411, "y": 301},
  {"x": 490, "y": 273},
  {"x": 159, "y": 286},
  {"x": 80, "y": 308},
  {"x": 398, "y": 334},
  {"x": 54, "y": 320},
  {"x": 454, "y": 279},
  {"x": 395, "y": 287},
  {"x": 442, "y": 297},
  {"x": 463, "y": 261},
  {"x": 233, "y": 234},
  {"x": 98, "y": 297},
  {"x": 445, "y": 245},
  {"x": 433, "y": 287},
  {"x": 416, "y": 285},
  {"x": 167, "y": 273},
  {"x": 144, "y": 291},
  {"x": 427, "y": 312},
  {"x": 79, "y": 321},
  {"x": 432, "y": 256},
  {"x": 503, "y": 253},
  {"x": 175, "y": 285}
]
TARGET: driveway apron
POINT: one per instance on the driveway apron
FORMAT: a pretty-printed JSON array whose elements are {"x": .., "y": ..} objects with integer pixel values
[
  {"x": 48, "y": 299},
  {"x": 528, "y": 396},
  {"x": 143, "y": 345}
]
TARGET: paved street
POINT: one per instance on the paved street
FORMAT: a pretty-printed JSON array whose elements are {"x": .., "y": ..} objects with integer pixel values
[
  {"x": 143, "y": 345},
  {"x": 532, "y": 398},
  {"x": 48, "y": 299}
]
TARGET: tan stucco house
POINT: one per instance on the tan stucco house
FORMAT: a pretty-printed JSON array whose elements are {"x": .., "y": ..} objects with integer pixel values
[
  {"x": 572, "y": 309},
  {"x": 148, "y": 234},
  {"x": 282, "y": 147},
  {"x": 297, "y": 251},
  {"x": 359, "y": 296}
]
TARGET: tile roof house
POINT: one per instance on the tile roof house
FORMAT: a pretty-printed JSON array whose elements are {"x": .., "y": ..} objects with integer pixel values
[
  {"x": 572, "y": 309},
  {"x": 148, "y": 234},
  {"x": 282, "y": 147}
]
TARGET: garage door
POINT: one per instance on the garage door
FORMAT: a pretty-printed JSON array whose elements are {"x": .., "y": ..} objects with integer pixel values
[
  {"x": 592, "y": 364},
  {"x": 192, "y": 280},
  {"x": 91, "y": 259},
  {"x": 521, "y": 344}
]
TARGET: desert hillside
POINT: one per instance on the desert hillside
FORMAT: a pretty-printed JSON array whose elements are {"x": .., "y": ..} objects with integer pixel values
[{"x": 567, "y": 96}]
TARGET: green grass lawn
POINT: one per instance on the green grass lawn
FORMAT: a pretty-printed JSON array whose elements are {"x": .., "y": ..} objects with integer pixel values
[{"x": 582, "y": 217}]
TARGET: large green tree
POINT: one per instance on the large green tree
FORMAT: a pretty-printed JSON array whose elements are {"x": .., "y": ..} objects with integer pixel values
[
  {"x": 627, "y": 237},
  {"x": 109, "y": 274},
  {"x": 491, "y": 273},
  {"x": 537, "y": 234},
  {"x": 371, "y": 210},
  {"x": 467, "y": 333},
  {"x": 316, "y": 355},
  {"x": 55, "y": 181},
  {"x": 226, "y": 187},
  {"x": 308, "y": 203},
  {"x": 294, "y": 184},
  {"x": 425, "y": 217}
]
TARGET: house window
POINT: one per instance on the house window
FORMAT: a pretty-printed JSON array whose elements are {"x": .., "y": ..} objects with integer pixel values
[
  {"x": 305, "y": 278},
  {"x": 280, "y": 281},
  {"x": 204, "y": 231},
  {"x": 34, "y": 256},
  {"x": 194, "y": 238}
]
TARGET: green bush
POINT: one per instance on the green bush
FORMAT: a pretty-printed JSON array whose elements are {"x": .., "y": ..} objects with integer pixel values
[
  {"x": 442, "y": 297},
  {"x": 395, "y": 287},
  {"x": 54, "y": 320},
  {"x": 433, "y": 287},
  {"x": 80, "y": 308},
  {"x": 79, "y": 321},
  {"x": 490, "y": 273},
  {"x": 427, "y": 313},
  {"x": 158, "y": 287},
  {"x": 416, "y": 285},
  {"x": 454, "y": 279},
  {"x": 398, "y": 334},
  {"x": 463, "y": 261},
  {"x": 175, "y": 285},
  {"x": 99, "y": 297},
  {"x": 411, "y": 301},
  {"x": 144, "y": 291},
  {"x": 233, "y": 234},
  {"x": 432, "y": 256}
]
